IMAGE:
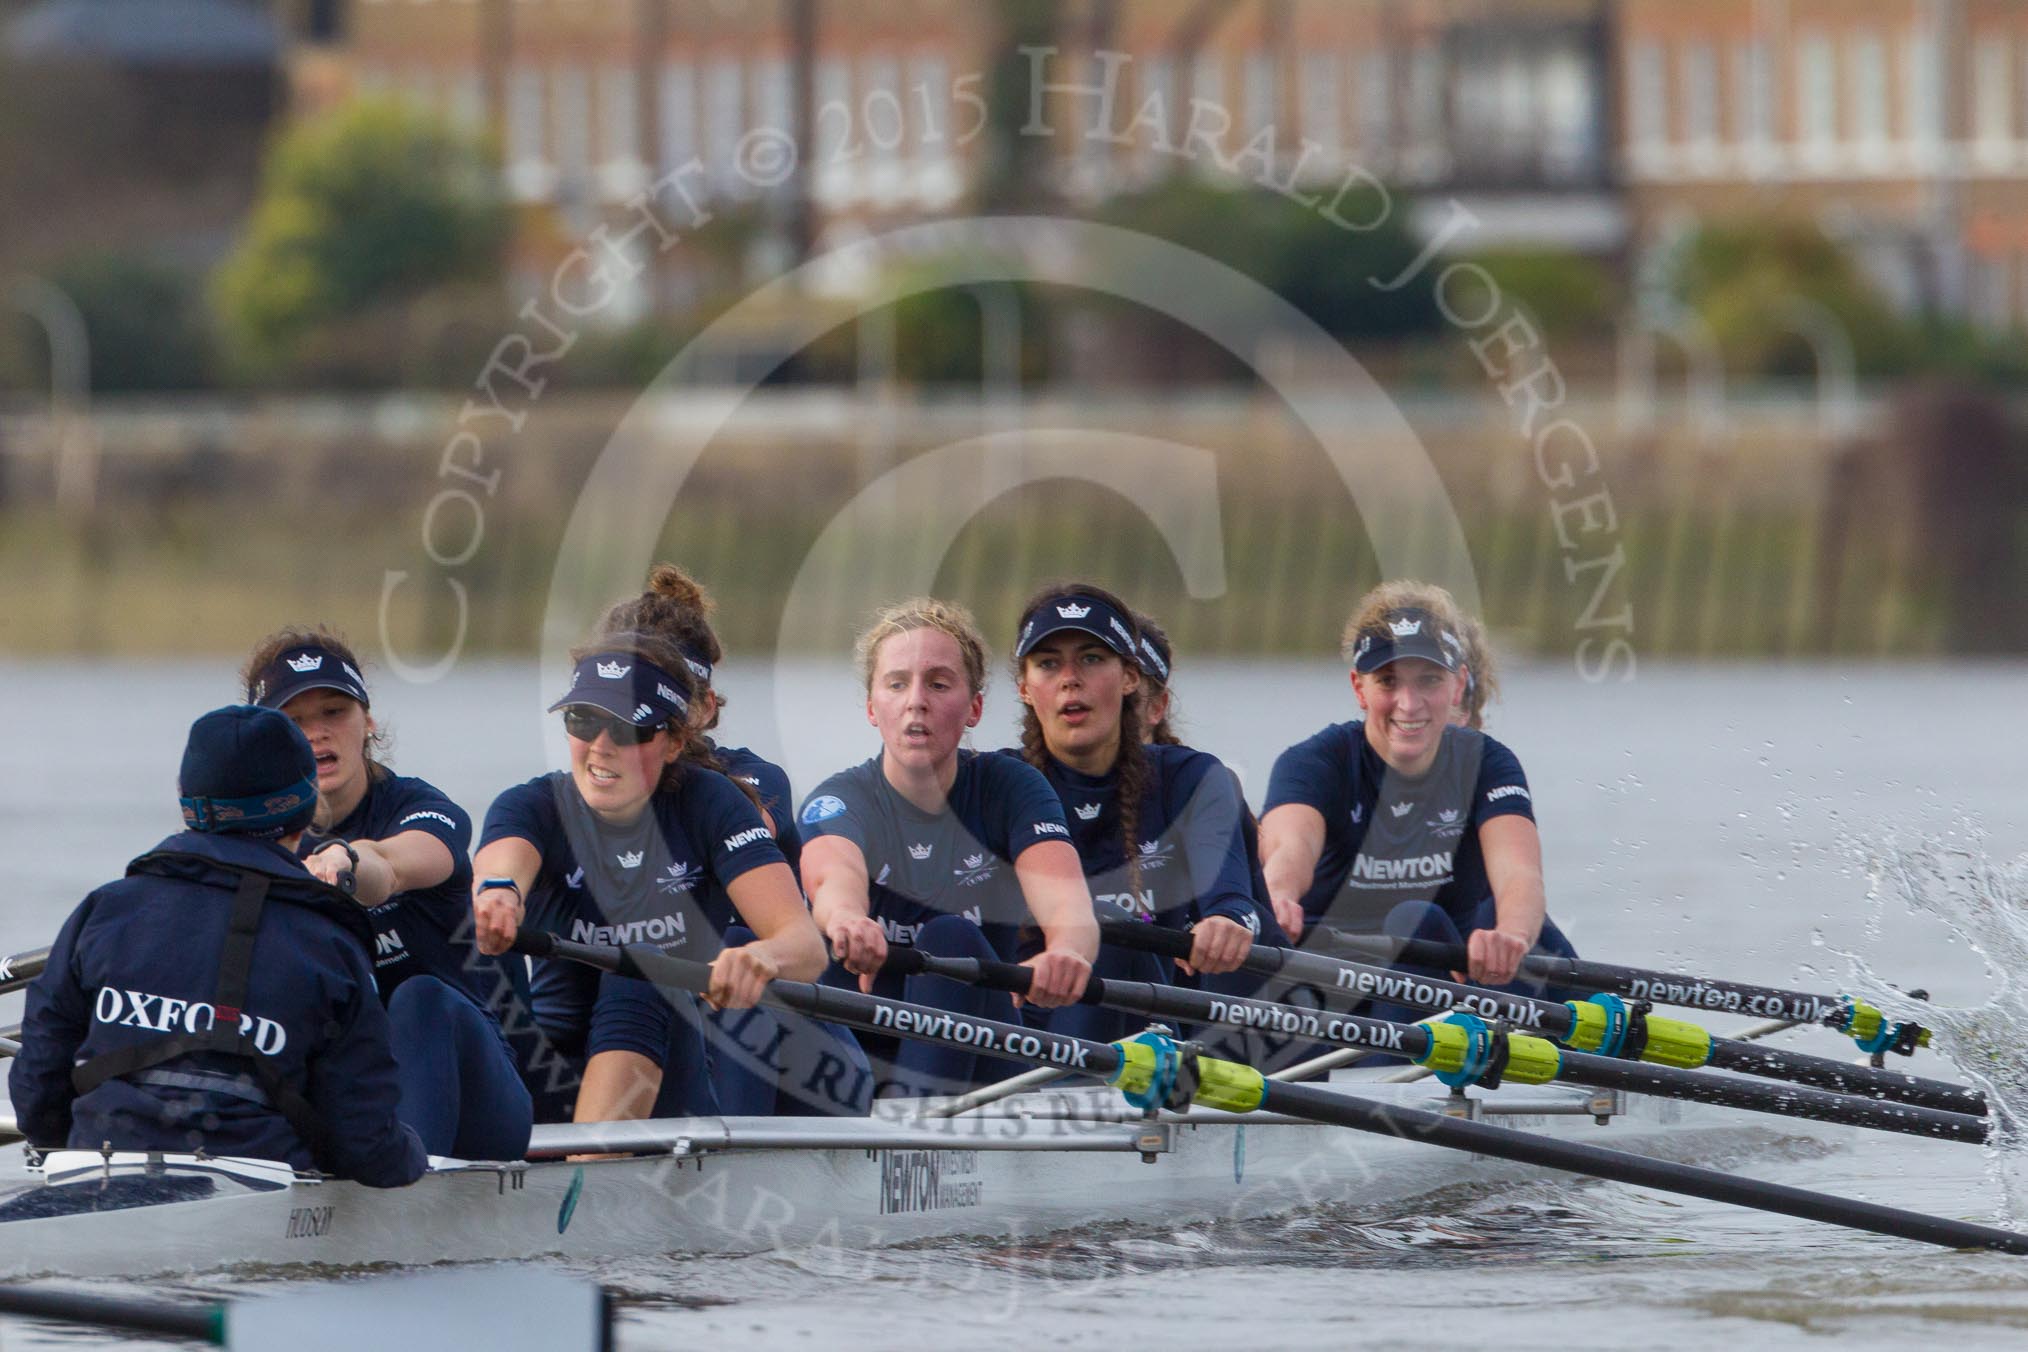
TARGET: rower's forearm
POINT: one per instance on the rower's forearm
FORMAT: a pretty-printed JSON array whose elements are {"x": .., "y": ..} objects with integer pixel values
[
  {"x": 832, "y": 901},
  {"x": 1072, "y": 933},
  {"x": 1522, "y": 909},
  {"x": 799, "y": 956}
]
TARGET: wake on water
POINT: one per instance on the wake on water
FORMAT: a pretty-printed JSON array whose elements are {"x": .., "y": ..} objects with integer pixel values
[{"x": 1984, "y": 904}]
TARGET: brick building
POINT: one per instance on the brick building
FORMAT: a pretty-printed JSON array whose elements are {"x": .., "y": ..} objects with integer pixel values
[{"x": 1601, "y": 125}]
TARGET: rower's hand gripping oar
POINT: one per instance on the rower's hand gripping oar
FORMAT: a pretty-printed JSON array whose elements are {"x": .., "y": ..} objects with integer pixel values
[
  {"x": 1875, "y": 1033},
  {"x": 1149, "y": 1069},
  {"x": 1604, "y": 1024},
  {"x": 1464, "y": 1050}
]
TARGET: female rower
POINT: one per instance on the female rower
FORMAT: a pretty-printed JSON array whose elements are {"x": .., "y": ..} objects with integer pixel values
[
  {"x": 799, "y": 1066},
  {"x": 1156, "y": 827},
  {"x": 1402, "y": 821},
  {"x": 1158, "y": 667},
  {"x": 932, "y": 845},
  {"x": 639, "y": 841},
  {"x": 400, "y": 846}
]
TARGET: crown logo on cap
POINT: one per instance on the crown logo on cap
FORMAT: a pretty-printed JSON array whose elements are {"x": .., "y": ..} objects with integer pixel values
[
  {"x": 307, "y": 662},
  {"x": 1073, "y": 611},
  {"x": 1405, "y": 628},
  {"x": 612, "y": 671},
  {"x": 631, "y": 859}
]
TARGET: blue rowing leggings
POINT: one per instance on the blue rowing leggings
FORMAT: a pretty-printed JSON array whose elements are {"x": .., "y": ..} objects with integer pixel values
[
  {"x": 776, "y": 1062},
  {"x": 459, "y": 1087},
  {"x": 1426, "y": 920}
]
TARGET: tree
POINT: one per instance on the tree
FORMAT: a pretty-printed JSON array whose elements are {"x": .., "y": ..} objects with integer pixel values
[
  {"x": 374, "y": 205},
  {"x": 1747, "y": 278},
  {"x": 1323, "y": 269}
]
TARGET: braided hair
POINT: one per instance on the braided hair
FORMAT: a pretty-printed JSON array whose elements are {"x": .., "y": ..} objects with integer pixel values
[{"x": 1131, "y": 766}]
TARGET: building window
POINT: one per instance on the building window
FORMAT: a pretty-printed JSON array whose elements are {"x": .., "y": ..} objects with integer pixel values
[
  {"x": 1569, "y": 117},
  {"x": 616, "y": 115},
  {"x": 1259, "y": 92},
  {"x": 570, "y": 97},
  {"x": 1207, "y": 80},
  {"x": 1320, "y": 99},
  {"x": 1647, "y": 95},
  {"x": 1700, "y": 94},
  {"x": 524, "y": 116},
  {"x": 774, "y": 100},
  {"x": 1992, "y": 90},
  {"x": 724, "y": 119},
  {"x": 1426, "y": 99},
  {"x": 1866, "y": 79},
  {"x": 1753, "y": 85},
  {"x": 678, "y": 115},
  {"x": 1922, "y": 111},
  {"x": 1376, "y": 105},
  {"x": 1816, "y": 92},
  {"x": 1157, "y": 79}
]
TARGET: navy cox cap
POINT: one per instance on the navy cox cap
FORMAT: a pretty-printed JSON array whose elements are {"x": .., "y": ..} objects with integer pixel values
[
  {"x": 1409, "y": 631},
  {"x": 627, "y": 686},
  {"x": 309, "y": 667},
  {"x": 1085, "y": 613}
]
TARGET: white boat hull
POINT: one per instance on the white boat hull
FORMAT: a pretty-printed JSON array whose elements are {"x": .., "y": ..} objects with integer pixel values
[{"x": 1027, "y": 1166}]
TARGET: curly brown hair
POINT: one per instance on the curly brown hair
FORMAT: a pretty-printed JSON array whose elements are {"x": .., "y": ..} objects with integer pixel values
[
  {"x": 379, "y": 738},
  {"x": 1130, "y": 763},
  {"x": 676, "y": 606}
]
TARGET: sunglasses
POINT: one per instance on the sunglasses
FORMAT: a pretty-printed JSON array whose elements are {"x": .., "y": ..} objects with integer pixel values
[{"x": 586, "y": 725}]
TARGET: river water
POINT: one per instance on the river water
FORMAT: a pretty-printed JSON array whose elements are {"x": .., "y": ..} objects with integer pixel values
[{"x": 1769, "y": 823}]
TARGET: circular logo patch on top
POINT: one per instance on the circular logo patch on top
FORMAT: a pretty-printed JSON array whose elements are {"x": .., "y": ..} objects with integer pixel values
[{"x": 822, "y": 809}]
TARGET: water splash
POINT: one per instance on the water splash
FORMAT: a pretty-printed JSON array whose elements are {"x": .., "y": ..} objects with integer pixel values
[{"x": 1982, "y": 903}]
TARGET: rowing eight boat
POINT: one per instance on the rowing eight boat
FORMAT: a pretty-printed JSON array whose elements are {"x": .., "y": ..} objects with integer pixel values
[{"x": 1018, "y": 1167}]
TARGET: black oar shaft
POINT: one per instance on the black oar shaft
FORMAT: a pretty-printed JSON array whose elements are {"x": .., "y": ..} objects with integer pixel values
[
  {"x": 1349, "y": 982},
  {"x": 1689, "y": 1180},
  {"x": 1182, "y": 1004},
  {"x": 203, "y": 1322},
  {"x": 1304, "y": 1101},
  {"x": 1636, "y": 983},
  {"x": 18, "y": 969}
]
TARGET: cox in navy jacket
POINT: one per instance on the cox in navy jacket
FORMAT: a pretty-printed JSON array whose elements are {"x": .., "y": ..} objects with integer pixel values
[{"x": 138, "y": 961}]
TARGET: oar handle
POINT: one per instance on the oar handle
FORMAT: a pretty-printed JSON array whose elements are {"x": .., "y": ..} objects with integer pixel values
[
  {"x": 1012, "y": 977},
  {"x": 1147, "y": 938}
]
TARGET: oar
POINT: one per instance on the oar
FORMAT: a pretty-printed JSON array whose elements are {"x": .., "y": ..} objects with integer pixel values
[
  {"x": 1604, "y": 1024},
  {"x": 468, "y": 1308},
  {"x": 1864, "y": 1024},
  {"x": 18, "y": 969},
  {"x": 1152, "y": 1070},
  {"x": 1465, "y": 1050}
]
